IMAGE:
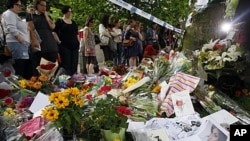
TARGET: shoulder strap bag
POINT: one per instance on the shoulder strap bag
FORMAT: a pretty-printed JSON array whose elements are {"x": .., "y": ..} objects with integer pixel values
[{"x": 4, "y": 49}]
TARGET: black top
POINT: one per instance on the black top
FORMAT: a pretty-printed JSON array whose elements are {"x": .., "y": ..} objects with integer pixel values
[
  {"x": 67, "y": 33},
  {"x": 48, "y": 43}
]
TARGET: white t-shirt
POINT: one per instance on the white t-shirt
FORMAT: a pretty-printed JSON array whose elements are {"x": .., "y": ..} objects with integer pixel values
[{"x": 117, "y": 31}]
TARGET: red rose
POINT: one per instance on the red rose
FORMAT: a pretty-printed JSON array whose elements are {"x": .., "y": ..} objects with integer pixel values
[
  {"x": 7, "y": 73},
  {"x": 8, "y": 101},
  {"x": 105, "y": 89},
  {"x": 218, "y": 46},
  {"x": 70, "y": 82},
  {"x": 4, "y": 92},
  {"x": 123, "y": 110},
  {"x": 89, "y": 96},
  {"x": 48, "y": 66}
]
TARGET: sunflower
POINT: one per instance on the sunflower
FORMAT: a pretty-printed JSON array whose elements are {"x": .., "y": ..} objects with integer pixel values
[
  {"x": 66, "y": 92},
  {"x": 50, "y": 113},
  {"x": 78, "y": 101},
  {"x": 61, "y": 102},
  {"x": 54, "y": 96},
  {"x": 75, "y": 91}
]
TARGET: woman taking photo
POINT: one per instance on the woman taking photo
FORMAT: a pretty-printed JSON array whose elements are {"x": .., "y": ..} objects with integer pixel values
[{"x": 17, "y": 37}]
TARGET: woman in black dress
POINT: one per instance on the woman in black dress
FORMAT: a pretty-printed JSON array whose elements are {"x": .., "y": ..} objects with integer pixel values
[
  {"x": 44, "y": 26},
  {"x": 133, "y": 51}
]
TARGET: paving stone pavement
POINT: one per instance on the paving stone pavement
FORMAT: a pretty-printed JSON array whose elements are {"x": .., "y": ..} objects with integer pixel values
[{"x": 99, "y": 57}]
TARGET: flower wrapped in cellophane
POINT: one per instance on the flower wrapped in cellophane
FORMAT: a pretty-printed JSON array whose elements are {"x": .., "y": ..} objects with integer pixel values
[
  {"x": 47, "y": 68},
  {"x": 144, "y": 106}
]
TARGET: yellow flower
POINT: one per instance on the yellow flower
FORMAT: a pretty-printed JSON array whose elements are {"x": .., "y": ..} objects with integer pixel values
[
  {"x": 107, "y": 80},
  {"x": 5, "y": 113},
  {"x": 61, "y": 102},
  {"x": 37, "y": 85},
  {"x": 12, "y": 113},
  {"x": 22, "y": 83},
  {"x": 54, "y": 96},
  {"x": 9, "y": 112},
  {"x": 116, "y": 139},
  {"x": 75, "y": 91},
  {"x": 78, "y": 101},
  {"x": 50, "y": 114},
  {"x": 66, "y": 92},
  {"x": 156, "y": 89},
  {"x": 43, "y": 78},
  {"x": 130, "y": 81},
  {"x": 8, "y": 109}
]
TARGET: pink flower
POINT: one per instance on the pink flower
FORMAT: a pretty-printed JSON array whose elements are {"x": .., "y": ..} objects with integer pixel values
[{"x": 25, "y": 102}]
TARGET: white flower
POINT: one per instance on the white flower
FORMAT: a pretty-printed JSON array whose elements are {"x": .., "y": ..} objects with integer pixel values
[{"x": 209, "y": 46}]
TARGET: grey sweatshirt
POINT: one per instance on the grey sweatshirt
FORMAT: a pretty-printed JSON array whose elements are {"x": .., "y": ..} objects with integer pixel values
[{"x": 14, "y": 25}]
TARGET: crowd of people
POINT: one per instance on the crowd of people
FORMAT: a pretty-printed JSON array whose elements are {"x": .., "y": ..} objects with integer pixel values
[{"x": 61, "y": 40}]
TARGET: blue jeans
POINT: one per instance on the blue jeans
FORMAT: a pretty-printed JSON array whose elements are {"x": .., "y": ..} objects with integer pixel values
[{"x": 18, "y": 50}]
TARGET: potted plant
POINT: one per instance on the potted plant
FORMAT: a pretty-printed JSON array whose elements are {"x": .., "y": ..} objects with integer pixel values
[
  {"x": 66, "y": 110},
  {"x": 108, "y": 114}
]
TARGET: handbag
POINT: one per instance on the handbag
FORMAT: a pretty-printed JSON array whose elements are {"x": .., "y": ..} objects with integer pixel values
[
  {"x": 112, "y": 44},
  {"x": 97, "y": 39},
  {"x": 4, "y": 50},
  {"x": 127, "y": 42}
]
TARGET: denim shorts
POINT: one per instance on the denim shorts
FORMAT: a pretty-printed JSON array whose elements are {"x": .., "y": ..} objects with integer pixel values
[{"x": 18, "y": 50}]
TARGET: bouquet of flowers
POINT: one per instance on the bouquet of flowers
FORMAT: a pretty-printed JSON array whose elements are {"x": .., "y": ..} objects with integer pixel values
[
  {"x": 107, "y": 114},
  {"x": 36, "y": 84},
  {"x": 47, "y": 68},
  {"x": 215, "y": 55},
  {"x": 120, "y": 69},
  {"x": 66, "y": 109}
]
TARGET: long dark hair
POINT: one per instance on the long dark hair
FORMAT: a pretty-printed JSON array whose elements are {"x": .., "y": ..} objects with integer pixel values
[
  {"x": 89, "y": 20},
  {"x": 105, "y": 20}
]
